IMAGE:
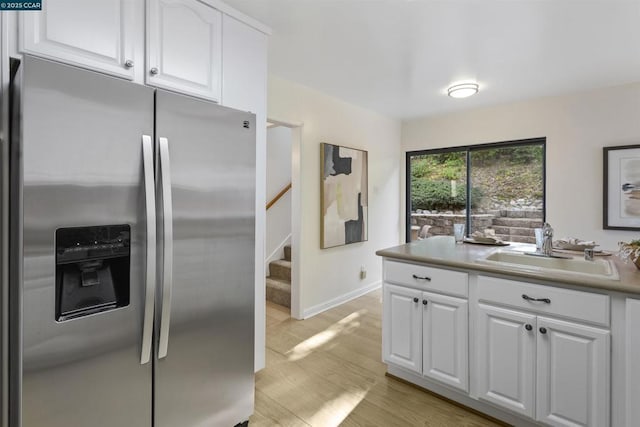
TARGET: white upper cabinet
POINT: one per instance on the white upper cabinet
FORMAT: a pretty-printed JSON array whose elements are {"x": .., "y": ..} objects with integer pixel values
[
  {"x": 184, "y": 47},
  {"x": 177, "y": 45},
  {"x": 244, "y": 67},
  {"x": 99, "y": 35}
]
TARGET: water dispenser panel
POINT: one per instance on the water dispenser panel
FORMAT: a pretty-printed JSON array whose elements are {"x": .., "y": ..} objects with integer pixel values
[{"x": 92, "y": 270}]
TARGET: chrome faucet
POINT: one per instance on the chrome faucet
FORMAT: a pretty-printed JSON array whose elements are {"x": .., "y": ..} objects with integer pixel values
[{"x": 547, "y": 242}]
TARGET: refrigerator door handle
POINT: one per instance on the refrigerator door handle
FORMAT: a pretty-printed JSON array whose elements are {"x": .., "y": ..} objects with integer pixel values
[
  {"x": 167, "y": 273},
  {"x": 150, "y": 275}
]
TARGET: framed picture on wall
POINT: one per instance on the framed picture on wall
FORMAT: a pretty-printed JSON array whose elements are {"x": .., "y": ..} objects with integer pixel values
[
  {"x": 621, "y": 190},
  {"x": 344, "y": 195}
]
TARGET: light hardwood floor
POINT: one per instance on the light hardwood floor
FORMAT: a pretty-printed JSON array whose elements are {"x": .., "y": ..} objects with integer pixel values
[{"x": 327, "y": 371}]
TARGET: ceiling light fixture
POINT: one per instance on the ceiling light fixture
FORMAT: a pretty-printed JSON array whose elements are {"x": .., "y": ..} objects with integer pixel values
[{"x": 462, "y": 90}]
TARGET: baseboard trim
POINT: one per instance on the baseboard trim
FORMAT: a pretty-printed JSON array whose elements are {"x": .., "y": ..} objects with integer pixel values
[
  {"x": 319, "y": 308},
  {"x": 461, "y": 399},
  {"x": 451, "y": 401}
]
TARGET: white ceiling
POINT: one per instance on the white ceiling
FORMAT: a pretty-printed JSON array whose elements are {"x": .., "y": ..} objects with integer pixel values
[{"x": 398, "y": 57}]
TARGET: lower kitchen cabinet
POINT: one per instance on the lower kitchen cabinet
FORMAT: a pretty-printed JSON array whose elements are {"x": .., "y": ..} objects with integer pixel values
[
  {"x": 554, "y": 371},
  {"x": 426, "y": 333},
  {"x": 632, "y": 362},
  {"x": 573, "y": 374},
  {"x": 402, "y": 327},
  {"x": 506, "y": 355},
  {"x": 539, "y": 354},
  {"x": 444, "y": 339}
]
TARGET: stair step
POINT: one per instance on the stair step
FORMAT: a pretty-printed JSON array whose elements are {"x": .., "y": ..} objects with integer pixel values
[
  {"x": 514, "y": 231},
  {"x": 287, "y": 252},
  {"x": 518, "y": 239},
  {"x": 279, "y": 291},
  {"x": 523, "y": 239},
  {"x": 517, "y": 222},
  {"x": 523, "y": 213},
  {"x": 280, "y": 269}
]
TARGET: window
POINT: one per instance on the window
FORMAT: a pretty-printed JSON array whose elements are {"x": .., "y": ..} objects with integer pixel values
[{"x": 498, "y": 186}]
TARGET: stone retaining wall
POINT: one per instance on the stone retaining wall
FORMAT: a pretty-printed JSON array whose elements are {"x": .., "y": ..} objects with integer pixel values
[
  {"x": 509, "y": 224},
  {"x": 442, "y": 224}
]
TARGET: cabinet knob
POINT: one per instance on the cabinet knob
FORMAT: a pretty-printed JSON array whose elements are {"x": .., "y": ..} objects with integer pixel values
[
  {"x": 153, "y": 71},
  {"x": 128, "y": 63},
  {"x": 415, "y": 300},
  {"x": 425, "y": 302},
  {"x": 528, "y": 327},
  {"x": 543, "y": 330}
]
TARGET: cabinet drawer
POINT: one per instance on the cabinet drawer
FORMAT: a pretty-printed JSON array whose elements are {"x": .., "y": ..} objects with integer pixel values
[
  {"x": 567, "y": 303},
  {"x": 427, "y": 278}
]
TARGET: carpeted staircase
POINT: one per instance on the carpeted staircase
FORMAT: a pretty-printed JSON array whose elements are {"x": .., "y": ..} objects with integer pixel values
[{"x": 279, "y": 280}]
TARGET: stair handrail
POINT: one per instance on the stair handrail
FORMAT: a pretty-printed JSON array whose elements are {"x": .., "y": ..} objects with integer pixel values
[{"x": 279, "y": 195}]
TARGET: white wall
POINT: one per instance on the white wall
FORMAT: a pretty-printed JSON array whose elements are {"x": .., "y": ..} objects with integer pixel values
[
  {"x": 576, "y": 126},
  {"x": 278, "y": 177},
  {"x": 330, "y": 276}
]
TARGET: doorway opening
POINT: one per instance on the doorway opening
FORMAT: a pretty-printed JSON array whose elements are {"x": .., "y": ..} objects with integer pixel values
[{"x": 282, "y": 257}]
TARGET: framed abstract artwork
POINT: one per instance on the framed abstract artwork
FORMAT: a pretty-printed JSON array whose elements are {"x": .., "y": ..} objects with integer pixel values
[
  {"x": 344, "y": 195},
  {"x": 621, "y": 195}
]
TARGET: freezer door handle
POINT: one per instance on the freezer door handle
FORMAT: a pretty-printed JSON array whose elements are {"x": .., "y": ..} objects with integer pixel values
[
  {"x": 150, "y": 274},
  {"x": 167, "y": 269}
]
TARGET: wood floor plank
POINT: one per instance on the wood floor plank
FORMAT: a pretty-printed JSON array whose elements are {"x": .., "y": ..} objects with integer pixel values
[
  {"x": 269, "y": 412},
  {"x": 410, "y": 407},
  {"x": 367, "y": 414},
  {"x": 328, "y": 371},
  {"x": 278, "y": 310},
  {"x": 348, "y": 340}
]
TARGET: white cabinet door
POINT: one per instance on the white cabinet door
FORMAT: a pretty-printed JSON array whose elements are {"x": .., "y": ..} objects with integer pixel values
[
  {"x": 402, "y": 327},
  {"x": 99, "y": 35},
  {"x": 572, "y": 374},
  {"x": 244, "y": 66},
  {"x": 506, "y": 353},
  {"x": 632, "y": 365},
  {"x": 184, "y": 47},
  {"x": 445, "y": 338}
]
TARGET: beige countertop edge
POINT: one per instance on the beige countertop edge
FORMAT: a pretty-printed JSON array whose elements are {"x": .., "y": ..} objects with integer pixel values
[{"x": 629, "y": 276}]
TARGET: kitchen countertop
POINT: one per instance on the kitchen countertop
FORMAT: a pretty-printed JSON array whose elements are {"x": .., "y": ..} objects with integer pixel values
[{"x": 442, "y": 250}]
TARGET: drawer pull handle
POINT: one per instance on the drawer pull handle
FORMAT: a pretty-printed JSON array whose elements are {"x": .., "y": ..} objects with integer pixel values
[
  {"x": 415, "y": 300},
  {"x": 543, "y": 330},
  {"x": 528, "y": 298},
  {"x": 428, "y": 279},
  {"x": 425, "y": 302},
  {"x": 528, "y": 327}
]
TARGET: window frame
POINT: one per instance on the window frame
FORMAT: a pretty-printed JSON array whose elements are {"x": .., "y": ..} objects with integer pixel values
[{"x": 468, "y": 149}]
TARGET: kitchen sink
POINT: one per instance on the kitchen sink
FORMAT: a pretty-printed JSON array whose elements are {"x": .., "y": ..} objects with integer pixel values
[{"x": 577, "y": 265}]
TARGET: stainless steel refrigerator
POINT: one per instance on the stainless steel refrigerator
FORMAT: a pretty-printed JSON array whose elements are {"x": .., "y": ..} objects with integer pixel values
[{"x": 132, "y": 254}]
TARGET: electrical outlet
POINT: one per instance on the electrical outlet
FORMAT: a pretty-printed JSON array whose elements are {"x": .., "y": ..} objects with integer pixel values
[{"x": 363, "y": 273}]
